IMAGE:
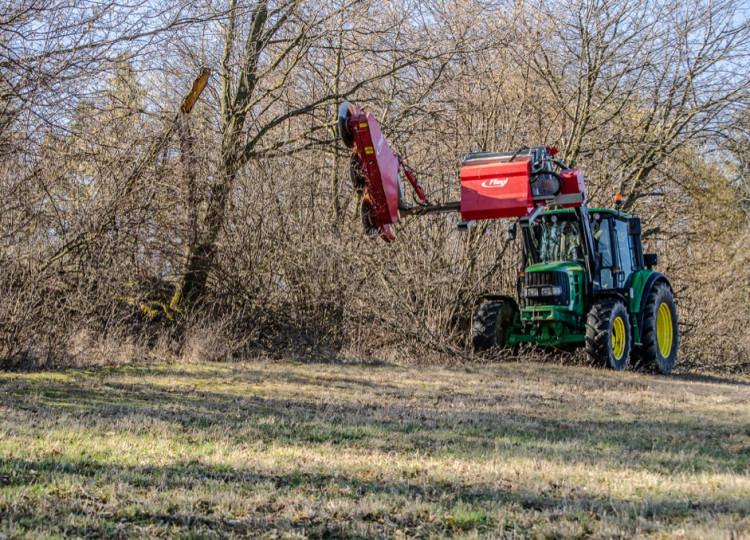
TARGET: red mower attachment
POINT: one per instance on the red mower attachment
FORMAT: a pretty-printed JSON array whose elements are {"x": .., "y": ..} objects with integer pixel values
[
  {"x": 493, "y": 185},
  {"x": 375, "y": 170}
]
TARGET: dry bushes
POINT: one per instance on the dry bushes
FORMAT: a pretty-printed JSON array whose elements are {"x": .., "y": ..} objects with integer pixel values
[{"x": 91, "y": 264}]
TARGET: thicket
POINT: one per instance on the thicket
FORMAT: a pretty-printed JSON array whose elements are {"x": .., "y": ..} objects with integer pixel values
[{"x": 241, "y": 234}]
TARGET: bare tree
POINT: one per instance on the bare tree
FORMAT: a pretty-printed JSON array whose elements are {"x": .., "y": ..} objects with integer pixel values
[
  {"x": 632, "y": 81},
  {"x": 108, "y": 225},
  {"x": 269, "y": 49}
]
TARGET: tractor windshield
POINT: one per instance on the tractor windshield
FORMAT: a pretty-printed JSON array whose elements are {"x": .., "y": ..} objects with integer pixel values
[{"x": 554, "y": 238}]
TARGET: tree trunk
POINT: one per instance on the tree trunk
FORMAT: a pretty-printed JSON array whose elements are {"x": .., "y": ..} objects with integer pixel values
[{"x": 202, "y": 253}]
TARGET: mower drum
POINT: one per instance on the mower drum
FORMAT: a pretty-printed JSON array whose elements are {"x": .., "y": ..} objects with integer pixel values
[{"x": 377, "y": 164}]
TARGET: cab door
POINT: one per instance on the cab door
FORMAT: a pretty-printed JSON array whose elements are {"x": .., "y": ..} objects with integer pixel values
[
  {"x": 605, "y": 253},
  {"x": 625, "y": 253}
]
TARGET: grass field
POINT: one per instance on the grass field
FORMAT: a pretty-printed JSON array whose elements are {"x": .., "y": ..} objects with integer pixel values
[{"x": 322, "y": 450}]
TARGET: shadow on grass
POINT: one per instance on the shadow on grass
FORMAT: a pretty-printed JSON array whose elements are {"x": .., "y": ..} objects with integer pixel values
[
  {"x": 664, "y": 446},
  {"x": 711, "y": 379},
  {"x": 322, "y": 486}
]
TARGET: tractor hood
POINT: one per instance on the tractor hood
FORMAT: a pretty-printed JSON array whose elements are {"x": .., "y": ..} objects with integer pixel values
[
  {"x": 557, "y": 266},
  {"x": 559, "y": 284}
]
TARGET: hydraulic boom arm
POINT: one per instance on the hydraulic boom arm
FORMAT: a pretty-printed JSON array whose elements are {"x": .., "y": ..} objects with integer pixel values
[{"x": 516, "y": 184}]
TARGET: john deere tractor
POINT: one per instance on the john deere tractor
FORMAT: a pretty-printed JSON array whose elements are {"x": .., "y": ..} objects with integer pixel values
[{"x": 585, "y": 281}]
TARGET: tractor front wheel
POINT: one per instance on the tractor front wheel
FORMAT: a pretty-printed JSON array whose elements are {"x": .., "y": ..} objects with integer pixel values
[
  {"x": 660, "y": 336},
  {"x": 491, "y": 321},
  {"x": 608, "y": 334}
]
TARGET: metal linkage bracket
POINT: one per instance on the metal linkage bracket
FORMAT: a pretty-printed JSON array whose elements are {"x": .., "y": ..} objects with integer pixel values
[{"x": 528, "y": 220}]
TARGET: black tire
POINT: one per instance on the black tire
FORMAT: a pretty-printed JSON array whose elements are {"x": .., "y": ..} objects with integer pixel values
[
  {"x": 345, "y": 111},
  {"x": 492, "y": 318},
  {"x": 601, "y": 324},
  {"x": 651, "y": 354}
]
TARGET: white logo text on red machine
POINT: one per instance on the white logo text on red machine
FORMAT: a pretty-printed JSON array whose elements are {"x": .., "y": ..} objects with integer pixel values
[{"x": 495, "y": 182}]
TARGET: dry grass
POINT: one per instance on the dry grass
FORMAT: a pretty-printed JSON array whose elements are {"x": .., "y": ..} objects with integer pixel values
[{"x": 293, "y": 450}]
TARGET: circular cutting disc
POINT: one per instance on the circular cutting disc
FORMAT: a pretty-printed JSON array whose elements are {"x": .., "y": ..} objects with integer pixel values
[{"x": 345, "y": 112}]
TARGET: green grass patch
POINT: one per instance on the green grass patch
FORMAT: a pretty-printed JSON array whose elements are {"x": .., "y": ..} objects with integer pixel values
[
  {"x": 309, "y": 450},
  {"x": 466, "y": 519}
]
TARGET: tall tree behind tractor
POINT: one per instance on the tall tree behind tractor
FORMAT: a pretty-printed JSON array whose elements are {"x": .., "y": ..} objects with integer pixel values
[{"x": 584, "y": 281}]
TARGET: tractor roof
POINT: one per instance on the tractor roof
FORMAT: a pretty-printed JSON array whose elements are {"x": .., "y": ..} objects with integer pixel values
[{"x": 591, "y": 211}]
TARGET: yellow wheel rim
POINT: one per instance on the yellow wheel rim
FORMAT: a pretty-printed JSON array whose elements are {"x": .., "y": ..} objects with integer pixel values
[
  {"x": 618, "y": 338},
  {"x": 664, "y": 333}
]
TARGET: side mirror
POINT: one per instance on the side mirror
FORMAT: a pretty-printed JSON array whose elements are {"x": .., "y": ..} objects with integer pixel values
[
  {"x": 634, "y": 226},
  {"x": 650, "y": 259},
  {"x": 510, "y": 233}
]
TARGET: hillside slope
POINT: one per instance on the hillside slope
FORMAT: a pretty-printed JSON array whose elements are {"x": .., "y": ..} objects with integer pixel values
[{"x": 297, "y": 450}]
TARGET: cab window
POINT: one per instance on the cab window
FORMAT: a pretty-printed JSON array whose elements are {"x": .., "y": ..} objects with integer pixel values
[
  {"x": 604, "y": 253},
  {"x": 554, "y": 238},
  {"x": 625, "y": 250}
]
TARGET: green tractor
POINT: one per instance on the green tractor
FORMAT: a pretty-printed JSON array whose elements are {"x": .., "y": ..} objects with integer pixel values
[{"x": 585, "y": 281}]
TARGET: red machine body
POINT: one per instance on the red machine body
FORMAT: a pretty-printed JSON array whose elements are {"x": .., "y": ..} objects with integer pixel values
[
  {"x": 573, "y": 188},
  {"x": 380, "y": 167},
  {"x": 493, "y": 188}
]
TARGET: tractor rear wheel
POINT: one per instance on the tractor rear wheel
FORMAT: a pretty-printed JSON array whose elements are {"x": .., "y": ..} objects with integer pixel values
[
  {"x": 660, "y": 335},
  {"x": 491, "y": 320},
  {"x": 608, "y": 334}
]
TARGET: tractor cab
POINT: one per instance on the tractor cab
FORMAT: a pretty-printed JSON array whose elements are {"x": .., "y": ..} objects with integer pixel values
[
  {"x": 567, "y": 261},
  {"x": 559, "y": 236}
]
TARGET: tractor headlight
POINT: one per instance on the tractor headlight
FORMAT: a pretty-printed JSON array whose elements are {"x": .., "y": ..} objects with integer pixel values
[
  {"x": 532, "y": 292},
  {"x": 551, "y": 291}
]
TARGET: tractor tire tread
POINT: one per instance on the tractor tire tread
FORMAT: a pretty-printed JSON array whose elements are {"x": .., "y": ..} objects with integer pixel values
[
  {"x": 598, "y": 334},
  {"x": 651, "y": 358},
  {"x": 485, "y": 326}
]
